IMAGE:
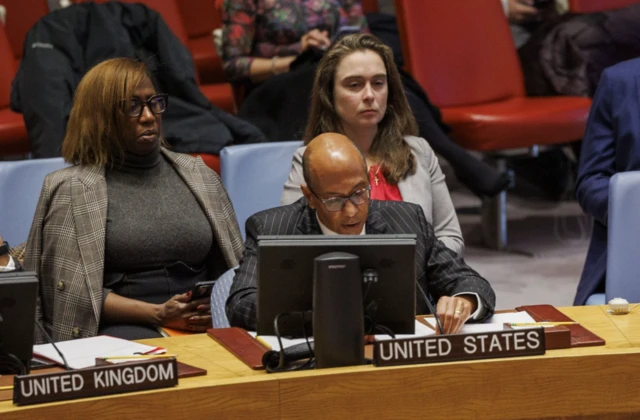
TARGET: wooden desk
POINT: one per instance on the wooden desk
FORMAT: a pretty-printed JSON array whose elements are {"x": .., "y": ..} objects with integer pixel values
[{"x": 574, "y": 383}]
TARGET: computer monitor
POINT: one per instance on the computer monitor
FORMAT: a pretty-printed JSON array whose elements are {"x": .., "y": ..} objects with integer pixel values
[
  {"x": 285, "y": 278},
  {"x": 18, "y": 291}
]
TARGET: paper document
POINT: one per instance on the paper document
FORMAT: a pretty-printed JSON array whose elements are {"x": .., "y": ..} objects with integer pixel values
[
  {"x": 272, "y": 341},
  {"x": 495, "y": 323},
  {"x": 83, "y": 352},
  {"x": 421, "y": 331}
]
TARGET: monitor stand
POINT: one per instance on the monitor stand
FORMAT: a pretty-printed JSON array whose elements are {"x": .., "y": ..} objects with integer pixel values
[{"x": 338, "y": 319}]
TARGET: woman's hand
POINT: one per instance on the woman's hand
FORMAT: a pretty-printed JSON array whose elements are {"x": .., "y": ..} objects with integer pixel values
[
  {"x": 315, "y": 38},
  {"x": 178, "y": 312},
  {"x": 521, "y": 11}
]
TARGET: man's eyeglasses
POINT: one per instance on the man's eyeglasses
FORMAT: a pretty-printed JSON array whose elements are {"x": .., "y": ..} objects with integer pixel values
[
  {"x": 358, "y": 197},
  {"x": 156, "y": 103}
]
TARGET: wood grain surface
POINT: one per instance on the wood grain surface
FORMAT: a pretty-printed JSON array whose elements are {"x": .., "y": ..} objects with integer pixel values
[{"x": 587, "y": 382}]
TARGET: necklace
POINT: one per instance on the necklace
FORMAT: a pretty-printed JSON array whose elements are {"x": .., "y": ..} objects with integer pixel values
[{"x": 375, "y": 176}]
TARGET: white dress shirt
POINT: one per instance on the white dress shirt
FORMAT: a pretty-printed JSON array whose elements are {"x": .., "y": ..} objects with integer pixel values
[{"x": 479, "y": 307}]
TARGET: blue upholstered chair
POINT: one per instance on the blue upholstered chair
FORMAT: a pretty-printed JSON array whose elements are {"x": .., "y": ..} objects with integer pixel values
[
  {"x": 596, "y": 299},
  {"x": 623, "y": 248},
  {"x": 20, "y": 185},
  {"x": 219, "y": 295},
  {"x": 254, "y": 175}
]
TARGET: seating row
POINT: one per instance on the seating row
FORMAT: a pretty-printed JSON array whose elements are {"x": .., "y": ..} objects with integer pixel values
[{"x": 254, "y": 175}]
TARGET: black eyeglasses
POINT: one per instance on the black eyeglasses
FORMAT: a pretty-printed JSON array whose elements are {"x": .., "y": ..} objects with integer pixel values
[
  {"x": 358, "y": 198},
  {"x": 156, "y": 103}
]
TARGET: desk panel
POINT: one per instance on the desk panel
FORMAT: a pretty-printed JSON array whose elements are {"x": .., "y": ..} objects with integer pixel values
[
  {"x": 531, "y": 388},
  {"x": 568, "y": 383}
]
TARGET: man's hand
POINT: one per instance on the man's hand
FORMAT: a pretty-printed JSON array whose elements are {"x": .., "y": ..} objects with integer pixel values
[
  {"x": 522, "y": 11},
  {"x": 4, "y": 259},
  {"x": 454, "y": 312},
  {"x": 315, "y": 38},
  {"x": 178, "y": 312}
]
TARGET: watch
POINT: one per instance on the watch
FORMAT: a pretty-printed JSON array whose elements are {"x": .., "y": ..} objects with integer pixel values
[{"x": 4, "y": 248}]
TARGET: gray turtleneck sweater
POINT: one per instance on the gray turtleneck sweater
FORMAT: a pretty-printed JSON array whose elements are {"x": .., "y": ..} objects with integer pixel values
[{"x": 153, "y": 218}]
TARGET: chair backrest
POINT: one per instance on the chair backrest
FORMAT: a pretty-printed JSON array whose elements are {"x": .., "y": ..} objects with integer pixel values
[
  {"x": 623, "y": 248},
  {"x": 21, "y": 16},
  {"x": 461, "y": 52},
  {"x": 590, "y": 6},
  {"x": 7, "y": 68},
  {"x": 219, "y": 295},
  {"x": 20, "y": 185},
  {"x": 200, "y": 18},
  {"x": 254, "y": 175}
]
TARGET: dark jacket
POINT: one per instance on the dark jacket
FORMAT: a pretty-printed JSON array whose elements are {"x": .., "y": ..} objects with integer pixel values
[
  {"x": 62, "y": 46},
  {"x": 567, "y": 56},
  {"x": 611, "y": 144},
  {"x": 438, "y": 269}
]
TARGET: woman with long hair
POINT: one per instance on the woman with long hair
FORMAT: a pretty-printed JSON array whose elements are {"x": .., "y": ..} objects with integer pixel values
[{"x": 358, "y": 92}]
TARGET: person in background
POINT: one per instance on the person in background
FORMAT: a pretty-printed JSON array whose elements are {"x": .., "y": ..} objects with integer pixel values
[
  {"x": 261, "y": 38},
  {"x": 610, "y": 145},
  {"x": 119, "y": 239},
  {"x": 10, "y": 257},
  {"x": 525, "y": 16},
  {"x": 358, "y": 92},
  {"x": 337, "y": 201}
]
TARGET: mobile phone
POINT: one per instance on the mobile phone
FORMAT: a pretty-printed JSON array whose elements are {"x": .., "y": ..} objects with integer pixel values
[
  {"x": 202, "y": 289},
  {"x": 344, "y": 31}
]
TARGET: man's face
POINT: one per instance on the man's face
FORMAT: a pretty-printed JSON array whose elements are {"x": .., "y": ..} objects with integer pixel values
[{"x": 341, "y": 182}]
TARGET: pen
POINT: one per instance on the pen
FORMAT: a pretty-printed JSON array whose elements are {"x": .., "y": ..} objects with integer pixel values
[
  {"x": 148, "y": 356},
  {"x": 533, "y": 324}
]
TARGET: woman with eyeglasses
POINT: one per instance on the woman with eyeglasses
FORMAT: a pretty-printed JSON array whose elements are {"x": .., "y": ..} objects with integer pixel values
[
  {"x": 121, "y": 238},
  {"x": 358, "y": 92}
]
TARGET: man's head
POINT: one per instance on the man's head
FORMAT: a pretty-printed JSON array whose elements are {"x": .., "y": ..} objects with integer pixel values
[{"x": 334, "y": 170}]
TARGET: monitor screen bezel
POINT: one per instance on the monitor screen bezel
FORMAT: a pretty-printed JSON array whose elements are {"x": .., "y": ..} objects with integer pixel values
[
  {"x": 17, "y": 327},
  {"x": 334, "y": 243}
]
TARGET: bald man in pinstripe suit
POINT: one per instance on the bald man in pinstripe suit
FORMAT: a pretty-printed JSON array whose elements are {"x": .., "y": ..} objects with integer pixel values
[{"x": 336, "y": 201}]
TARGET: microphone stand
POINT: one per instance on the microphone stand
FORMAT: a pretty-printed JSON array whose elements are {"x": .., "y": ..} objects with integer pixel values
[
  {"x": 430, "y": 306},
  {"x": 50, "y": 340}
]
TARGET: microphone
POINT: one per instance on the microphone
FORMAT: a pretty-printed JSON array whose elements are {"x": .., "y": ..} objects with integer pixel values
[
  {"x": 430, "y": 306},
  {"x": 50, "y": 340}
]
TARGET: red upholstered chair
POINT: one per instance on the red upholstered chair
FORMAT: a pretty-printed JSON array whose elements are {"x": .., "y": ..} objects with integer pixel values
[
  {"x": 461, "y": 52},
  {"x": 200, "y": 18},
  {"x": 13, "y": 133},
  {"x": 589, "y": 6}
]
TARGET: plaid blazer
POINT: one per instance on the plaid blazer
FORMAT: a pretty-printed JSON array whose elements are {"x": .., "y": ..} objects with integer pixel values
[
  {"x": 67, "y": 240},
  {"x": 439, "y": 270}
]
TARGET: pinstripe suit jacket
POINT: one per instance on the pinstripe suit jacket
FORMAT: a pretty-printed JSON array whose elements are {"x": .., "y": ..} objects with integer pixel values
[
  {"x": 67, "y": 239},
  {"x": 439, "y": 269}
]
